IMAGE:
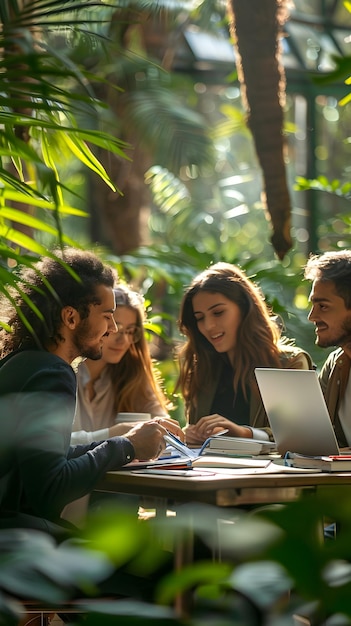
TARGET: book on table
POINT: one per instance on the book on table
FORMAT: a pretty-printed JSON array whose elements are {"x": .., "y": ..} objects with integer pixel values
[
  {"x": 195, "y": 459},
  {"x": 236, "y": 446},
  {"x": 221, "y": 445},
  {"x": 230, "y": 452},
  {"x": 332, "y": 463}
]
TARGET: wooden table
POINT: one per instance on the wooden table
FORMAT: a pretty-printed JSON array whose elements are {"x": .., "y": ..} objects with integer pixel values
[{"x": 220, "y": 490}]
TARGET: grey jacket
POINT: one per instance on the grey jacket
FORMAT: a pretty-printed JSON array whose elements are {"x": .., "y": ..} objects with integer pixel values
[{"x": 333, "y": 379}]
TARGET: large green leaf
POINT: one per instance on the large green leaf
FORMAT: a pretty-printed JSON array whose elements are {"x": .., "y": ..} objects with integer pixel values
[{"x": 48, "y": 113}]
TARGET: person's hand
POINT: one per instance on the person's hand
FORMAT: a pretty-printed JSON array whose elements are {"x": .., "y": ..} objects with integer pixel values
[
  {"x": 212, "y": 424},
  {"x": 191, "y": 436},
  {"x": 147, "y": 439},
  {"x": 171, "y": 426}
]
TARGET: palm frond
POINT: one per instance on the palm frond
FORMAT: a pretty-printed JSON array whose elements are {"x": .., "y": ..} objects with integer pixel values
[
  {"x": 163, "y": 120},
  {"x": 48, "y": 111}
]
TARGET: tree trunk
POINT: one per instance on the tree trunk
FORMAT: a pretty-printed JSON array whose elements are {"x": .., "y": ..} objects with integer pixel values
[
  {"x": 120, "y": 221},
  {"x": 255, "y": 27}
]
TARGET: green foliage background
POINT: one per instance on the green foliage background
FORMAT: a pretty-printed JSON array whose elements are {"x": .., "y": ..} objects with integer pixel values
[{"x": 48, "y": 114}]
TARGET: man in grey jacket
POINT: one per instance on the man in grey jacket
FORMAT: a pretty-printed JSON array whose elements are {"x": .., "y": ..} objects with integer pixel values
[{"x": 330, "y": 297}]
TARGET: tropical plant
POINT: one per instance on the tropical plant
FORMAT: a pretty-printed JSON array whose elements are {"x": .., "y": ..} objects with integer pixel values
[
  {"x": 48, "y": 113},
  {"x": 274, "y": 566},
  {"x": 162, "y": 113},
  {"x": 156, "y": 114},
  {"x": 153, "y": 107}
]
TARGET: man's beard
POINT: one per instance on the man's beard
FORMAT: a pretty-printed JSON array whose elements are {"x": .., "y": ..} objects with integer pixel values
[
  {"x": 92, "y": 353},
  {"x": 341, "y": 339},
  {"x": 81, "y": 339}
]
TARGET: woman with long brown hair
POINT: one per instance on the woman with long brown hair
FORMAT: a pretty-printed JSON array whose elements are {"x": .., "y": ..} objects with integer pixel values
[{"x": 229, "y": 332}]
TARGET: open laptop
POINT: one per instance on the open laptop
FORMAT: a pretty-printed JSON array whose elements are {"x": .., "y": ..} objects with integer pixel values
[{"x": 297, "y": 412}]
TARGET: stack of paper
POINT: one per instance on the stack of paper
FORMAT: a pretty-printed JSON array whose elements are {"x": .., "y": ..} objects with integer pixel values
[{"x": 211, "y": 460}]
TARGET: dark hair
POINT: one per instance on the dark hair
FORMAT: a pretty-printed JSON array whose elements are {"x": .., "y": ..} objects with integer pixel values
[
  {"x": 67, "y": 277},
  {"x": 258, "y": 334},
  {"x": 334, "y": 266}
]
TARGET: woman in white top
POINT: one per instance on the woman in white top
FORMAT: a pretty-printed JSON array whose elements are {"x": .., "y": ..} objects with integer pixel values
[{"x": 123, "y": 380}]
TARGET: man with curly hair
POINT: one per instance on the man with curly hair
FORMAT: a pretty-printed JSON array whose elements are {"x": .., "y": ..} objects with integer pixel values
[{"x": 61, "y": 309}]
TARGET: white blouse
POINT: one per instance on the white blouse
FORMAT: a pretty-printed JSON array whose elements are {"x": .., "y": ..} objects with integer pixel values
[{"x": 93, "y": 418}]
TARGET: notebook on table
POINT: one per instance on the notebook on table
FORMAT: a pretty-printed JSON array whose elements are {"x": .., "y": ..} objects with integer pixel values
[{"x": 297, "y": 412}]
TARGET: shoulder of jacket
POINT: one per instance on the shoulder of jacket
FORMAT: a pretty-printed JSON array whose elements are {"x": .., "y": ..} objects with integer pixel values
[
  {"x": 337, "y": 357},
  {"x": 34, "y": 358},
  {"x": 293, "y": 354}
]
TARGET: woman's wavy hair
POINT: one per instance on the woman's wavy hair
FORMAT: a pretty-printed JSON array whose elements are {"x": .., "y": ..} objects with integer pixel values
[
  {"x": 259, "y": 342},
  {"x": 135, "y": 375},
  {"x": 67, "y": 277}
]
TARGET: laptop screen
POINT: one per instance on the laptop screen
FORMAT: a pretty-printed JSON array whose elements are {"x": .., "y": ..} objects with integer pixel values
[{"x": 297, "y": 412}]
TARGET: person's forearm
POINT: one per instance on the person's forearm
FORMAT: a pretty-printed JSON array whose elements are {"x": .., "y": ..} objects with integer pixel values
[{"x": 84, "y": 436}]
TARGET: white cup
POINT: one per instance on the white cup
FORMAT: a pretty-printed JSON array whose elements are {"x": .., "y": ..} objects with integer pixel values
[{"x": 132, "y": 417}]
